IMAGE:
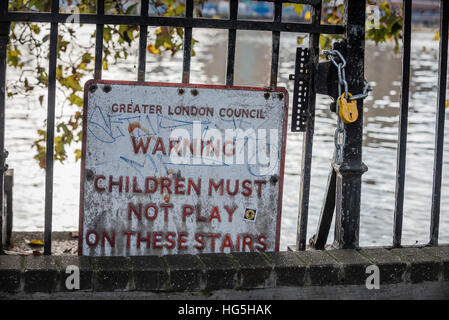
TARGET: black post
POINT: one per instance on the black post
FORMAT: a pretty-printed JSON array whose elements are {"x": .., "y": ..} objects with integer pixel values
[
  {"x": 439, "y": 129},
  {"x": 4, "y": 39},
  {"x": 143, "y": 43},
  {"x": 276, "y": 41},
  {"x": 318, "y": 241},
  {"x": 403, "y": 124},
  {"x": 99, "y": 41},
  {"x": 8, "y": 185},
  {"x": 307, "y": 144},
  {"x": 187, "y": 44},
  {"x": 53, "y": 57},
  {"x": 232, "y": 38},
  {"x": 350, "y": 171}
]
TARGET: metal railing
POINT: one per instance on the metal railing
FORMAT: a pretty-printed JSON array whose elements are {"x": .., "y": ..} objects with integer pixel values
[
  {"x": 345, "y": 179},
  {"x": 6, "y": 228},
  {"x": 439, "y": 130},
  {"x": 332, "y": 199}
]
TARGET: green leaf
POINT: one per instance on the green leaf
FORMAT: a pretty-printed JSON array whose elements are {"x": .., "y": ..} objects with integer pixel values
[
  {"x": 298, "y": 8},
  {"x": 180, "y": 9},
  {"x": 77, "y": 154},
  {"x": 76, "y": 100},
  {"x": 35, "y": 28}
]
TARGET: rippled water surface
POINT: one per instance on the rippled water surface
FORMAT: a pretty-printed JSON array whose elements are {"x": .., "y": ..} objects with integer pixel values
[{"x": 25, "y": 115}]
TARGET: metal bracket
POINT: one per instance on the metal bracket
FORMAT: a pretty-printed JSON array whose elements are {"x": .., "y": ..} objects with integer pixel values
[
  {"x": 300, "y": 107},
  {"x": 325, "y": 82}
]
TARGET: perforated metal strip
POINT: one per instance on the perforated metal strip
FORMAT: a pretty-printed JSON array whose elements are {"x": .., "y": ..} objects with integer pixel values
[{"x": 300, "y": 109}]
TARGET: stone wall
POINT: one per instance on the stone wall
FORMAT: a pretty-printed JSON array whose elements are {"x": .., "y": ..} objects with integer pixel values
[{"x": 335, "y": 274}]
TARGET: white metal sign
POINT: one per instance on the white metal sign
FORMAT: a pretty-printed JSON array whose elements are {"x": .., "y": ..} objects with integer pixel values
[{"x": 172, "y": 168}]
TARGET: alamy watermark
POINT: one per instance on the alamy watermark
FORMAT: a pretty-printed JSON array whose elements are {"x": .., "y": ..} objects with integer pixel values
[
  {"x": 75, "y": 16},
  {"x": 373, "y": 280},
  {"x": 258, "y": 148},
  {"x": 372, "y": 17},
  {"x": 73, "y": 280}
]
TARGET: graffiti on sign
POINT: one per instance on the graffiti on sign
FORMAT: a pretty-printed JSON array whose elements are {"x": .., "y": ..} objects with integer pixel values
[{"x": 171, "y": 168}]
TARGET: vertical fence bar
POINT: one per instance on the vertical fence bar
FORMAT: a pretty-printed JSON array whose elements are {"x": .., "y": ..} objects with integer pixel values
[
  {"x": 403, "y": 123},
  {"x": 4, "y": 39},
  {"x": 439, "y": 130},
  {"x": 276, "y": 38},
  {"x": 8, "y": 186},
  {"x": 349, "y": 172},
  {"x": 50, "y": 130},
  {"x": 143, "y": 43},
  {"x": 307, "y": 142},
  {"x": 99, "y": 42},
  {"x": 187, "y": 44},
  {"x": 232, "y": 36},
  {"x": 319, "y": 240}
]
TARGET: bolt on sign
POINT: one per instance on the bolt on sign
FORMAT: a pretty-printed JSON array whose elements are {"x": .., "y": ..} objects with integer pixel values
[{"x": 176, "y": 168}]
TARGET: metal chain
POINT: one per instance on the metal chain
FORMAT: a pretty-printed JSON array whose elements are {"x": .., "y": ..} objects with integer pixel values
[{"x": 331, "y": 55}]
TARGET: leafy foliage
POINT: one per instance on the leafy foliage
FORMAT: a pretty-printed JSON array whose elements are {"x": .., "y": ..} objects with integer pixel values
[
  {"x": 389, "y": 27},
  {"x": 117, "y": 39}
]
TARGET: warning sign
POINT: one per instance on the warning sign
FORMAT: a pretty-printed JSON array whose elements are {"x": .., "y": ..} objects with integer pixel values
[{"x": 171, "y": 168}]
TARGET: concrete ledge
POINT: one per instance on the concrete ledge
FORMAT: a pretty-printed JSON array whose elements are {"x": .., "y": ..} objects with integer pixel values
[
  {"x": 392, "y": 269},
  {"x": 243, "y": 273},
  {"x": 149, "y": 273},
  {"x": 289, "y": 270},
  {"x": 421, "y": 266},
  {"x": 353, "y": 265},
  {"x": 41, "y": 274},
  {"x": 322, "y": 269},
  {"x": 253, "y": 269},
  {"x": 400, "y": 291},
  {"x": 220, "y": 271},
  {"x": 184, "y": 272},
  {"x": 442, "y": 254},
  {"x": 10, "y": 270}
]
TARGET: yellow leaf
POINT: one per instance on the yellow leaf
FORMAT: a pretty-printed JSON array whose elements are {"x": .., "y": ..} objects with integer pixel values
[
  {"x": 298, "y": 8},
  {"x": 307, "y": 15},
  {"x": 77, "y": 154},
  {"x": 333, "y": 19},
  {"x": 447, "y": 103},
  {"x": 37, "y": 242},
  {"x": 167, "y": 45},
  {"x": 437, "y": 36},
  {"x": 152, "y": 48},
  {"x": 14, "y": 53}
]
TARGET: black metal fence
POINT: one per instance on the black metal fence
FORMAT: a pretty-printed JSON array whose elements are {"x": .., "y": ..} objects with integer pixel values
[
  {"x": 344, "y": 186},
  {"x": 439, "y": 130}
]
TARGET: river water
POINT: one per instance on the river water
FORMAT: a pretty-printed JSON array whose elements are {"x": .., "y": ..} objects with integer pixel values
[{"x": 24, "y": 115}]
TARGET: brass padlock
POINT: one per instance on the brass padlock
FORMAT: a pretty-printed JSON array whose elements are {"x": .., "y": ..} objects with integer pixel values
[{"x": 347, "y": 109}]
